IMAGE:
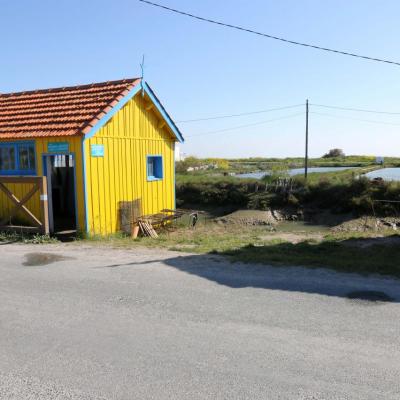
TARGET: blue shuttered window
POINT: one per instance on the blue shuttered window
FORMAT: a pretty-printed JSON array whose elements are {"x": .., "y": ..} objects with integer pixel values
[
  {"x": 154, "y": 168},
  {"x": 17, "y": 158}
]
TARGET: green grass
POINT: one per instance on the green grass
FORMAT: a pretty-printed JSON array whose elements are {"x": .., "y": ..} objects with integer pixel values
[
  {"x": 343, "y": 161},
  {"x": 376, "y": 259},
  {"x": 208, "y": 238},
  {"x": 26, "y": 238},
  {"x": 210, "y": 178},
  {"x": 339, "y": 251}
]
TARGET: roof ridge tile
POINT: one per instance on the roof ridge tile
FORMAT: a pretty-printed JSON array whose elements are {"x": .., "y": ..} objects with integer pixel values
[{"x": 85, "y": 86}]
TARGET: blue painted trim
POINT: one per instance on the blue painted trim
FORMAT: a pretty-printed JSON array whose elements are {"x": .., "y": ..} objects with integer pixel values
[
  {"x": 153, "y": 179},
  {"x": 160, "y": 172},
  {"x": 90, "y": 134},
  {"x": 76, "y": 194},
  {"x": 44, "y": 172},
  {"x": 58, "y": 147},
  {"x": 44, "y": 155},
  {"x": 112, "y": 112},
  {"x": 138, "y": 88},
  {"x": 163, "y": 112},
  {"x": 17, "y": 171},
  {"x": 97, "y": 150},
  {"x": 85, "y": 197},
  {"x": 128, "y": 97}
]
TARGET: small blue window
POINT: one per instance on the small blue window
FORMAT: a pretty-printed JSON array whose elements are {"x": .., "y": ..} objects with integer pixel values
[
  {"x": 154, "y": 168},
  {"x": 17, "y": 158}
]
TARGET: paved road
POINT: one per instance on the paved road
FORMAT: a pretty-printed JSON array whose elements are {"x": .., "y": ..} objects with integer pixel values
[{"x": 96, "y": 323}]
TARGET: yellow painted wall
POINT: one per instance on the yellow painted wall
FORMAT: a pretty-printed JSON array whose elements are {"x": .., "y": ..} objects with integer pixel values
[
  {"x": 75, "y": 146},
  {"x": 129, "y": 137}
]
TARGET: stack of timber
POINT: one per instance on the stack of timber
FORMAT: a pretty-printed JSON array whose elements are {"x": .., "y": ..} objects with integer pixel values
[
  {"x": 146, "y": 223},
  {"x": 147, "y": 229}
]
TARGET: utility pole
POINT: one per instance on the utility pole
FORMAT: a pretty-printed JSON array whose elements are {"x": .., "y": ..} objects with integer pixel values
[{"x": 306, "y": 156}]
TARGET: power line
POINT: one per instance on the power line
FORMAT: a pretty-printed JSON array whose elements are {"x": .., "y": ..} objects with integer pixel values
[
  {"x": 246, "y": 126},
  {"x": 291, "y": 116},
  {"x": 345, "y": 53},
  {"x": 354, "y": 119},
  {"x": 238, "y": 115},
  {"x": 287, "y": 107},
  {"x": 355, "y": 109}
]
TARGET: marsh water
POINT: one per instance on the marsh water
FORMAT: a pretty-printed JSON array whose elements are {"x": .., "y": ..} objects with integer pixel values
[
  {"x": 388, "y": 174},
  {"x": 294, "y": 171}
]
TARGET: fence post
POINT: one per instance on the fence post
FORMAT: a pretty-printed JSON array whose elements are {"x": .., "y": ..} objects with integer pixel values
[{"x": 44, "y": 206}]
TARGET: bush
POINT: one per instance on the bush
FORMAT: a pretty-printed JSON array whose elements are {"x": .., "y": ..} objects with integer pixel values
[
  {"x": 341, "y": 194},
  {"x": 259, "y": 201},
  {"x": 334, "y": 153},
  {"x": 213, "y": 194},
  {"x": 292, "y": 200}
]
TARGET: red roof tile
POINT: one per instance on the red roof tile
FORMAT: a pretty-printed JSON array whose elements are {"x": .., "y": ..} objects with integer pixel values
[{"x": 64, "y": 111}]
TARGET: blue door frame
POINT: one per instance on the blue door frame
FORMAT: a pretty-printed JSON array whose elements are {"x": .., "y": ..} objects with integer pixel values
[{"x": 44, "y": 163}]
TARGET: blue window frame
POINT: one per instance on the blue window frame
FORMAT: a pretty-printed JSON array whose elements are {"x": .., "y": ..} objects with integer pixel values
[
  {"x": 17, "y": 158},
  {"x": 154, "y": 168}
]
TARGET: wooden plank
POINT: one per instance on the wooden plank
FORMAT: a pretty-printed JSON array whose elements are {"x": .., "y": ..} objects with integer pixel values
[
  {"x": 142, "y": 228},
  {"x": 8, "y": 193},
  {"x": 151, "y": 231},
  {"x": 17, "y": 228},
  {"x": 147, "y": 229},
  {"x": 44, "y": 206},
  {"x": 19, "y": 179},
  {"x": 19, "y": 204},
  {"x": 39, "y": 184}
]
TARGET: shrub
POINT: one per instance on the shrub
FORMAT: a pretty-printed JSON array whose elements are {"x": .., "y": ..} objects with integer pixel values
[
  {"x": 338, "y": 193},
  {"x": 334, "y": 153}
]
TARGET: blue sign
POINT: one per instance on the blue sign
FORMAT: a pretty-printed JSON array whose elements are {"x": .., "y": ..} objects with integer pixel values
[
  {"x": 58, "y": 147},
  {"x": 97, "y": 150}
]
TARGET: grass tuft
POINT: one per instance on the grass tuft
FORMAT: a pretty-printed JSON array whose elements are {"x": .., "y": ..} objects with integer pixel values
[{"x": 26, "y": 238}]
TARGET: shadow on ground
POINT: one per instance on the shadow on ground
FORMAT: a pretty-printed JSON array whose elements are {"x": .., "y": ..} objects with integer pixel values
[
  {"x": 362, "y": 255},
  {"x": 343, "y": 257}
]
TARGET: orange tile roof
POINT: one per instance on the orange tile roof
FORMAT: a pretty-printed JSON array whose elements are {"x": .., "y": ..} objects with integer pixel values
[{"x": 66, "y": 111}]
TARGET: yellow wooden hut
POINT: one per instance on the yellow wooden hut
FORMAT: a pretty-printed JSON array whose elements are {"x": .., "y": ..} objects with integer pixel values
[{"x": 100, "y": 146}]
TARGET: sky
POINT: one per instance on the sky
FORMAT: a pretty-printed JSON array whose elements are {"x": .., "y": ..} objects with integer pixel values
[{"x": 199, "y": 70}]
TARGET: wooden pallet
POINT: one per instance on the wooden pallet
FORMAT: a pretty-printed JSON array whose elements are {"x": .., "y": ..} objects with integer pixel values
[{"x": 147, "y": 229}]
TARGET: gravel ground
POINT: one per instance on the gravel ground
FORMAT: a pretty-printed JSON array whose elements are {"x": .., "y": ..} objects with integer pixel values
[{"x": 85, "y": 322}]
